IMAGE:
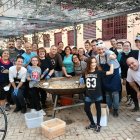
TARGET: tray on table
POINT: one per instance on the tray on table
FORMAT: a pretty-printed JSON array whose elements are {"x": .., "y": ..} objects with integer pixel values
[{"x": 62, "y": 85}]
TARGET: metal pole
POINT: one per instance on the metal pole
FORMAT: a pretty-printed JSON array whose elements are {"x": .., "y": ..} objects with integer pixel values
[{"x": 75, "y": 35}]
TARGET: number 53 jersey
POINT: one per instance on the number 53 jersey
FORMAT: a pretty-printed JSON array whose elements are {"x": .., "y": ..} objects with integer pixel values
[{"x": 94, "y": 84}]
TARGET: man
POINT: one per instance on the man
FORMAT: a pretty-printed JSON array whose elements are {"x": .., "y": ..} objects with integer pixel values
[
  {"x": 113, "y": 42},
  {"x": 57, "y": 63},
  {"x": 74, "y": 50},
  {"x": 88, "y": 49},
  {"x": 137, "y": 42},
  {"x": 94, "y": 49},
  {"x": 28, "y": 54},
  {"x": 19, "y": 46},
  {"x": 60, "y": 49},
  {"x": 133, "y": 75},
  {"x": 12, "y": 50}
]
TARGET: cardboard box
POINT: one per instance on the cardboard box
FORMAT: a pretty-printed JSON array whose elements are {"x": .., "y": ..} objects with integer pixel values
[
  {"x": 53, "y": 128},
  {"x": 104, "y": 114}
]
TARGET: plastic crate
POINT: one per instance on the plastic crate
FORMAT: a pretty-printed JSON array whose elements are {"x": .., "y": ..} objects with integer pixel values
[
  {"x": 64, "y": 101},
  {"x": 34, "y": 119},
  {"x": 53, "y": 128}
]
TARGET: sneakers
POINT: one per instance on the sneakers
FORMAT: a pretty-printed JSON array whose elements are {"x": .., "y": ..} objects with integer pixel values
[
  {"x": 7, "y": 107},
  {"x": 138, "y": 119},
  {"x": 23, "y": 110},
  {"x": 129, "y": 103},
  {"x": 91, "y": 126},
  {"x": 135, "y": 109},
  {"x": 115, "y": 113},
  {"x": 97, "y": 128},
  {"x": 44, "y": 106}
]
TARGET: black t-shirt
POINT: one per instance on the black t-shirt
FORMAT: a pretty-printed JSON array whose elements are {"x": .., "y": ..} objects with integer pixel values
[
  {"x": 62, "y": 54},
  {"x": 4, "y": 77},
  {"x": 20, "y": 52},
  {"x": 56, "y": 62},
  {"x": 114, "y": 50},
  {"x": 94, "y": 84},
  {"x": 45, "y": 63}
]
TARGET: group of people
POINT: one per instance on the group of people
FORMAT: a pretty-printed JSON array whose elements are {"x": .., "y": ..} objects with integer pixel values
[{"x": 99, "y": 68}]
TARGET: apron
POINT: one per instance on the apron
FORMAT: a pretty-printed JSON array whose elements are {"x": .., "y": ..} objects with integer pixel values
[{"x": 112, "y": 82}]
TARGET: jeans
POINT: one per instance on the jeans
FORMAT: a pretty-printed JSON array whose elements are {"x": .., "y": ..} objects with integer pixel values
[
  {"x": 130, "y": 91},
  {"x": 35, "y": 98},
  {"x": 58, "y": 73},
  {"x": 19, "y": 99},
  {"x": 43, "y": 96},
  {"x": 87, "y": 109},
  {"x": 112, "y": 99}
]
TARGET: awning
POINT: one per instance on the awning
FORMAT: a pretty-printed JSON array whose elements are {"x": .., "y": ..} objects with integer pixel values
[{"x": 19, "y": 17}]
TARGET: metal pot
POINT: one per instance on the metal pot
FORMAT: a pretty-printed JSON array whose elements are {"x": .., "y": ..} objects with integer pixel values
[{"x": 62, "y": 85}]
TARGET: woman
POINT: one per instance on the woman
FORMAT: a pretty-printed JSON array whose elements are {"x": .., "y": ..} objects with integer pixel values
[
  {"x": 81, "y": 54},
  {"x": 79, "y": 66},
  {"x": 5, "y": 64},
  {"x": 112, "y": 83},
  {"x": 67, "y": 62},
  {"x": 34, "y": 48},
  {"x": 88, "y": 49},
  {"x": 47, "y": 71},
  {"x": 93, "y": 81},
  {"x": 128, "y": 52},
  {"x": 17, "y": 78}
]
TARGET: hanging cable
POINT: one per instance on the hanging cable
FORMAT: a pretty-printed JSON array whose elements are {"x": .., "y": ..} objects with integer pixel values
[{"x": 11, "y": 6}]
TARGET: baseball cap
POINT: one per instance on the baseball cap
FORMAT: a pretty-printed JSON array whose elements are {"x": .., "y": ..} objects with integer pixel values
[
  {"x": 100, "y": 44},
  {"x": 137, "y": 37}
]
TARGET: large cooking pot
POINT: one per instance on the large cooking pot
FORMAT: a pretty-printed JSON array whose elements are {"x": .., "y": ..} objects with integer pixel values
[{"x": 62, "y": 85}]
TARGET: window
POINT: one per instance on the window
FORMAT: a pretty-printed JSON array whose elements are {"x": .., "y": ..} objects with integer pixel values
[
  {"x": 57, "y": 38},
  {"x": 70, "y": 37},
  {"x": 35, "y": 39},
  {"x": 114, "y": 27},
  {"x": 46, "y": 40},
  {"x": 89, "y": 31}
]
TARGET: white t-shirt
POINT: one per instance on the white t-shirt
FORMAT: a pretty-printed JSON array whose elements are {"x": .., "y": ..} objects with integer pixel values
[
  {"x": 133, "y": 75},
  {"x": 139, "y": 56},
  {"x": 21, "y": 74}
]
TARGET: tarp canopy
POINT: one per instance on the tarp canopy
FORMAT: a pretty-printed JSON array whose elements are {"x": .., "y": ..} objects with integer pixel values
[{"x": 19, "y": 17}]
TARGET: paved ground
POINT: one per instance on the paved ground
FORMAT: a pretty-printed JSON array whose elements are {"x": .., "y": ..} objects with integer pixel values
[{"x": 122, "y": 128}]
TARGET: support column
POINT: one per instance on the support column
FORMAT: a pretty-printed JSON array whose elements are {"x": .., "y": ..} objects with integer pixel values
[{"x": 75, "y": 35}]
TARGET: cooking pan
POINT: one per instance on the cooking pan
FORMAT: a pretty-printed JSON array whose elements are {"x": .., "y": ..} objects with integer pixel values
[{"x": 62, "y": 85}]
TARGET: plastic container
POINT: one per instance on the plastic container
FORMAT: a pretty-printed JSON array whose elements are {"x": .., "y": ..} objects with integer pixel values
[
  {"x": 104, "y": 114},
  {"x": 34, "y": 119},
  {"x": 53, "y": 128},
  {"x": 64, "y": 101}
]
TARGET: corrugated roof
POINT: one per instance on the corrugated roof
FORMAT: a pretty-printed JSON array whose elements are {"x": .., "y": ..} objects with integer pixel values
[{"x": 20, "y": 17}]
